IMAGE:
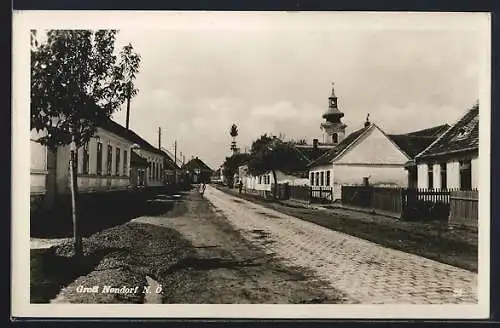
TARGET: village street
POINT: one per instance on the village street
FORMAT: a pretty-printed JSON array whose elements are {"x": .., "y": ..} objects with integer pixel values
[
  {"x": 366, "y": 272},
  {"x": 219, "y": 248}
]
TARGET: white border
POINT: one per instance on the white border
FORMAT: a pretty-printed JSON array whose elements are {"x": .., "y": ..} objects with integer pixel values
[{"x": 23, "y": 21}]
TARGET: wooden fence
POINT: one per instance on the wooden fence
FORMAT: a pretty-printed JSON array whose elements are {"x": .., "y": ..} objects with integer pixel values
[
  {"x": 464, "y": 208},
  {"x": 385, "y": 199},
  {"x": 300, "y": 193}
]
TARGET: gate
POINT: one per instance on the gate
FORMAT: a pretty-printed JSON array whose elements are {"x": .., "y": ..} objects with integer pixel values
[{"x": 321, "y": 194}]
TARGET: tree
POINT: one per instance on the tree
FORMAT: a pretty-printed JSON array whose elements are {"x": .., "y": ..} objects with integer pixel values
[
  {"x": 231, "y": 165},
  {"x": 77, "y": 81},
  {"x": 270, "y": 153},
  {"x": 233, "y": 132}
]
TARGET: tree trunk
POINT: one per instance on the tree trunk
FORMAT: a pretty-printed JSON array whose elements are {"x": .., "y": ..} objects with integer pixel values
[
  {"x": 74, "y": 200},
  {"x": 275, "y": 184},
  {"x": 129, "y": 94}
]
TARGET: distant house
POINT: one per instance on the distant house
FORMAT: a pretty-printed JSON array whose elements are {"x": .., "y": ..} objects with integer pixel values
[
  {"x": 197, "y": 171},
  {"x": 369, "y": 155},
  {"x": 452, "y": 161},
  {"x": 264, "y": 182}
]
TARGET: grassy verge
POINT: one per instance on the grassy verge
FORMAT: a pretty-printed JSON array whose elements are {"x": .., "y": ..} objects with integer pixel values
[{"x": 457, "y": 248}]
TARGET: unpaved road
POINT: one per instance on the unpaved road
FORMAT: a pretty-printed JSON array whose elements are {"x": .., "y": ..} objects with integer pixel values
[
  {"x": 364, "y": 271},
  {"x": 222, "y": 267}
]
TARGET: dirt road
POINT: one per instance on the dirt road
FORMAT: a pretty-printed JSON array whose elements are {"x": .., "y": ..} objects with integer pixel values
[
  {"x": 223, "y": 267},
  {"x": 365, "y": 271}
]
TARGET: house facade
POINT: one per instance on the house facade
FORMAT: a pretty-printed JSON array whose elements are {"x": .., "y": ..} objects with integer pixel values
[
  {"x": 197, "y": 171},
  {"x": 114, "y": 159},
  {"x": 367, "y": 155},
  {"x": 452, "y": 161}
]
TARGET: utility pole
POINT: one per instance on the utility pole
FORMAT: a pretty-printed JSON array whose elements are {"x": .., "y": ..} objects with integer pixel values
[
  {"x": 175, "y": 152},
  {"x": 129, "y": 94},
  {"x": 175, "y": 162},
  {"x": 159, "y": 138}
]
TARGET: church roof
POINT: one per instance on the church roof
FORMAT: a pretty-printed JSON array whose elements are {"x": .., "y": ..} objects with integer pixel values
[{"x": 462, "y": 136}]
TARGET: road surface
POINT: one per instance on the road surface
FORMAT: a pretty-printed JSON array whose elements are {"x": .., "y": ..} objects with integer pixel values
[{"x": 364, "y": 271}]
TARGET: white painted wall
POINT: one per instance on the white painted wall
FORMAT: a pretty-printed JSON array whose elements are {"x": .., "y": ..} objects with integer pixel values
[
  {"x": 383, "y": 175},
  {"x": 475, "y": 172},
  {"x": 91, "y": 181},
  {"x": 452, "y": 174},
  {"x": 422, "y": 178},
  {"x": 373, "y": 148},
  {"x": 436, "y": 172},
  {"x": 38, "y": 164}
]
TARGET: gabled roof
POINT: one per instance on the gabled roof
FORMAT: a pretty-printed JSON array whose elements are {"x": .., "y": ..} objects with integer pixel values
[
  {"x": 196, "y": 163},
  {"x": 331, "y": 154},
  {"x": 462, "y": 136},
  {"x": 415, "y": 142}
]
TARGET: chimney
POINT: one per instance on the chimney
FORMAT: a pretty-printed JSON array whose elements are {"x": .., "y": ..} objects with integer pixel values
[
  {"x": 159, "y": 137},
  {"x": 315, "y": 144}
]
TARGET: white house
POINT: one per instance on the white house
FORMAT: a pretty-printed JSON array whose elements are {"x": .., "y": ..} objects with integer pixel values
[
  {"x": 368, "y": 155},
  {"x": 452, "y": 161}
]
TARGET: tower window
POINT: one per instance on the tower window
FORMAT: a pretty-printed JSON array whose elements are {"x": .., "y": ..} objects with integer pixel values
[{"x": 335, "y": 138}]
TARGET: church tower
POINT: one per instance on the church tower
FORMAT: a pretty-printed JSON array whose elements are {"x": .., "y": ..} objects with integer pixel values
[{"x": 333, "y": 129}]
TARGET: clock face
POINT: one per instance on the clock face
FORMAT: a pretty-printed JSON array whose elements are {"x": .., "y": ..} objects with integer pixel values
[{"x": 332, "y": 102}]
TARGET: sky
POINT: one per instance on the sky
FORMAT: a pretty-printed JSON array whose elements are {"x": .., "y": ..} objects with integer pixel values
[{"x": 195, "y": 83}]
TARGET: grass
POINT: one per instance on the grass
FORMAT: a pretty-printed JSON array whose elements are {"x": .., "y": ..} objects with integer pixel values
[{"x": 457, "y": 247}]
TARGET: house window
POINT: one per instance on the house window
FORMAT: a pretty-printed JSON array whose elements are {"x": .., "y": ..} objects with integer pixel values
[
  {"x": 109, "y": 159},
  {"x": 312, "y": 178},
  {"x": 157, "y": 171},
  {"x": 430, "y": 177},
  {"x": 443, "y": 176},
  {"x": 335, "y": 138},
  {"x": 322, "y": 175},
  {"x": 99, "y": 159},
  {"x": 327, "y": 178},
  {"x": 161, "y": 171},
  {"x": 117, "y": 161},
  {"x": 125, "y": 161},
  {"x": 149, "y": 170},
  {"x": 85, "y": 168},
  {"x": 465, "y": 175},
  {"x": 260, "y": 179},
  {"x": 317, "y": 178},
  {"x": 154, "y": 171}
]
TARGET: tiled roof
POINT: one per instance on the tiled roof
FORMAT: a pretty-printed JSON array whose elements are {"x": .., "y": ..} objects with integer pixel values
[
  {"x": 464, "y": 135},
  {"x": 430, "y": 132},
  {"x": 310, "y": 152},
  {"x": 334, "y": 152},
  {"x": 130, "y": 135},
  {"x": 196, "y": 163},
  {"x": 414, "y": 142}
]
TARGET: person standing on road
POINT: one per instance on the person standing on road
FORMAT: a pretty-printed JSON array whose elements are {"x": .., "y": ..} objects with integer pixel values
[
  {"x": 202, "y": 188},
  {"x": 240, "y": 186}
]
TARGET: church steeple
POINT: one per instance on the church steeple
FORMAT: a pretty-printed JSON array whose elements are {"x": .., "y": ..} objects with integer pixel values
[
  {"x": 333, "y": 113},
  {"x": 333, "y": 129}
]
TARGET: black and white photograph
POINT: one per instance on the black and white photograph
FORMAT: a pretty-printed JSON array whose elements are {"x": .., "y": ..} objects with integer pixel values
[{"x": 251, "y": 164}]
